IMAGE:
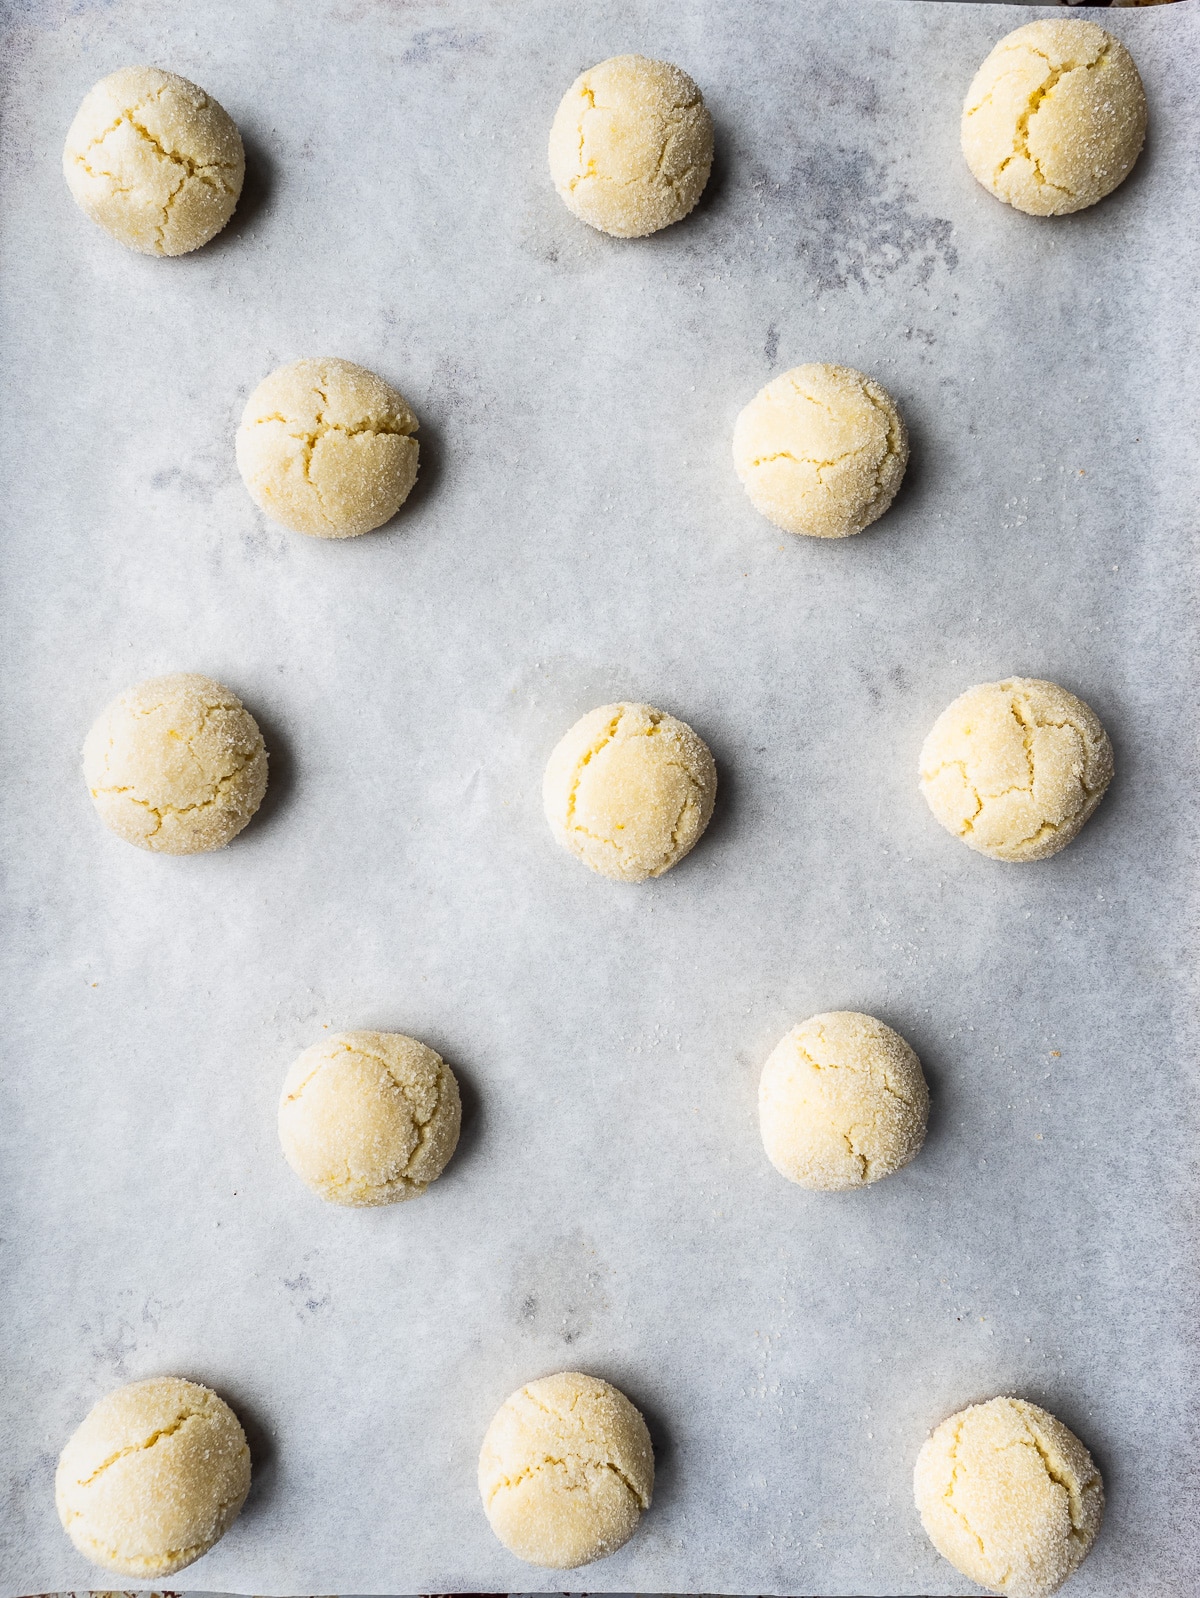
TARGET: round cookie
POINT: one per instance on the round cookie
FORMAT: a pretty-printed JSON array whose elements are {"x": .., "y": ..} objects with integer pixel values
[
  {"x": 154, "y": 160},
  {"x": 1055, "y": 117},
  {"x": 842, "y": 1102},
  {"x": 1009, "y": 1496},
  {"x": 565, "y": 1471},
  {"x": 821, "y": 450},
  {"x": 631, "y": 146},
  {"x": 629, "y": 790},
  {"x": 1015, "y": 768},
  {"x": 176, "y": 764},
  {"x": 154, "y": 1476},
  {"x": 326, "y": 448},
  {"x": 369, "y": 1117}
]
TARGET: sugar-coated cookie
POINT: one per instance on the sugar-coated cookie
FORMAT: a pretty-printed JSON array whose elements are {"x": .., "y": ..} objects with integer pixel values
[
  {"x": 327, "y": 448},
  {"x": 629, "y": 790},
  {"x": 369, "y": 1117},
  {"x": 1055, "y": 117},
  {"x": 821, "y": 450},
  {"x": 842, "y": 1102},
  {"x": 153, "y": 1477},
  {"x": 566, "y": 1471},
  {"x": 176, "y": 764},
  {"x": 154, "y": 160},
  {"x": 1015, "y": 768},
  {"x": 631, "y": 146},
  {"x": 1009, "y": 1496}
]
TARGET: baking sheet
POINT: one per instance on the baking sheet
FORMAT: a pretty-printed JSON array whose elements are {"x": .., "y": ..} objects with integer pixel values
[{"x": 578, "y": 535}]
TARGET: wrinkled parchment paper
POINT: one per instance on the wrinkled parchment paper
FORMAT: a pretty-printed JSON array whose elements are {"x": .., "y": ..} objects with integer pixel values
[{"x": 578, "y": 535}]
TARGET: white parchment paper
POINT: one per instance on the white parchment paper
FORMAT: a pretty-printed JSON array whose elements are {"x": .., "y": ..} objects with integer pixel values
[{"x": 578, "y": 535}]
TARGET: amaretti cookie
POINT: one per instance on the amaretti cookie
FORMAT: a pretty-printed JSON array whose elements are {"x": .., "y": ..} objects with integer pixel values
[
  {"x": 566, "y": 1471},
  {"x": 153, "y": 1477},
  {"x": 1015, "y": 768},
  {"x": 176, "y": 764},
  {"x": 629, "y": 790},
  {"x": 1055, "y": 117},
  {"x": 631, "y": 146},
  {"x": 154, "y": 160}
]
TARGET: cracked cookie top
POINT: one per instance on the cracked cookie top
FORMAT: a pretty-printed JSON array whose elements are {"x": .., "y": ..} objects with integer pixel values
[
  {"x": 1015, "y": 768},
  {"x": 821, "y": 450},
  {"x": 154, "y": 160},
  {"x": 1009, "y": 1496},
  {"x": 153, "y": 1477},
  {"x": 629, "y": 790},
  {"x": 369, "y": 1117},
  {"x": 842, "y": 1102},
  {"x": 631, "y": 146},
  {"x": 566, "y": 1470},
  {"x": 1055, "y": 117},
  {"x": 325, "y": 447},
  {"x": 176, "y": 764}
]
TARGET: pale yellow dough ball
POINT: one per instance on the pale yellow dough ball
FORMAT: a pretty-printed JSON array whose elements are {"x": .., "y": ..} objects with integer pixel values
[
  {"x": 326, "y": 448},
  {"x": 631, "y": 146},
  {"x": 1015, "y": 768},
  {"x": 821, "y": 450},
  {"x": 1055, "y": 117},
  {"x": 842, "y": 1102},
  {"x": 1009, "y": 1496},
  {"x": 154, "y": 1476},
  {"x": 369, "y": 1117},
  {"x": 565, "y": 1471},
  {"x": 629, "y": 790},
  {"x": 154, "y": 160},
  {"x": 176, "y": 764}
]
